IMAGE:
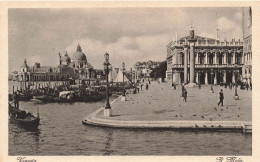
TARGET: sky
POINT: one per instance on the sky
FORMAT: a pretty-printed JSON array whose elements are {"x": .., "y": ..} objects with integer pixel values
[{"x": 127, "y": 34}]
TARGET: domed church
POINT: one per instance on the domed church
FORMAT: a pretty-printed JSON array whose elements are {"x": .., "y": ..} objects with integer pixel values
[{"x": 78, "y": 62}]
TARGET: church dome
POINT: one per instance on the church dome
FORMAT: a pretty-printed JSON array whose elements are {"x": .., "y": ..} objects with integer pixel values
[
  {"x": 65, "y": 58},
  {"x": 79, "y": 56}
]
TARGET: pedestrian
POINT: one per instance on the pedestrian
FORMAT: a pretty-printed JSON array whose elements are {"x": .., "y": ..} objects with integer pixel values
[
  {"x": 185, "y": 95},
  {"x": 247, "y": 86},
  {"x": 147, "y": 86},
  {"x": 135, "y": 89},
  {"x": 16, "y": 100},
  {"x": 221, "y": 97},
  {"x": 141, "y": 87},
  {"x": 182, "y": 90}
]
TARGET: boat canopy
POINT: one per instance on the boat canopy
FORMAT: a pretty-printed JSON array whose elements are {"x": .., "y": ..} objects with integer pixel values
[{"x": 65, "y": 93}]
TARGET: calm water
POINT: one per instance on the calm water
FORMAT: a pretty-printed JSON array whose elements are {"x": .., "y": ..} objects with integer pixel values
[{"x": 61, "y": 133}]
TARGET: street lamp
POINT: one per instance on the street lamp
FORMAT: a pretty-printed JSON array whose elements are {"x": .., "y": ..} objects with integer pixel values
[
  {"x": 107, "y": 111},
  {"x": 236, "y": 97},
  {"x": 211, "y": 88},
  {"x": 123, "y": 98}
]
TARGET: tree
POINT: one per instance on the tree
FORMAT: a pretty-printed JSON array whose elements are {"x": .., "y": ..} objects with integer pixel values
[{"x": 159, "y": 71}]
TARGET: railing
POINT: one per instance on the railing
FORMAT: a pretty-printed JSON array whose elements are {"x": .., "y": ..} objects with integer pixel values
[
  {"x": 209, "y": 65},
  {"x": 212, "y": 44}
]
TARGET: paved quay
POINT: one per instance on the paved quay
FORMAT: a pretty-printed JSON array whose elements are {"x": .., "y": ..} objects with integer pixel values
[{"x": 162, "y": 107}]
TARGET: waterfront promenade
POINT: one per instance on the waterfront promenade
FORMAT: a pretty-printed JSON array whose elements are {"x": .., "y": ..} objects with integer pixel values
[{"x": 161, "y": 106}]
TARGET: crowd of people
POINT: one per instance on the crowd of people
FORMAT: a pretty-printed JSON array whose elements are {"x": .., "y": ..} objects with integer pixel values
[{"x": 139, "y": 85}]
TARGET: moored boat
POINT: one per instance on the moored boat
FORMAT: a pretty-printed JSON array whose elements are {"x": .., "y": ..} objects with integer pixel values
[{"x": 23, "y": 118}]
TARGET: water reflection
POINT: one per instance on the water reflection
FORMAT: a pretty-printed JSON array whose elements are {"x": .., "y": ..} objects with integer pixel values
[
  {"x": 109, "y": 140},
  {"x": 61, "y": 133}
]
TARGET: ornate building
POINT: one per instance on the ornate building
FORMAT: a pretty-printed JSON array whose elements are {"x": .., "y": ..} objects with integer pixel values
[
  {"x": 193, "y": 59},
  {"x": 78, "y": 62},
  {"x": 145, "y": 68},
  {"x": 77, "y": 67},
  {"x": 247, "y": 35},
  {"x": 45, "y": 73}
]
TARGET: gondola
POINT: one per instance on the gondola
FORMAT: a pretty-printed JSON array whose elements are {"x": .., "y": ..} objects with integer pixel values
[
  {"x": 21, "y": 97},
  {"x": 52, "y": 99},
  {"x": 23, "y": 118}
]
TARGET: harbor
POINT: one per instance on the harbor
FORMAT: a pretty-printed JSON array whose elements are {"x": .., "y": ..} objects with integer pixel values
[{"x": 61, "y": 130}]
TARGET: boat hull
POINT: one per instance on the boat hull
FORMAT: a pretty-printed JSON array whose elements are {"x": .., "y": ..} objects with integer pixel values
[{"x": 28, "y": 121}]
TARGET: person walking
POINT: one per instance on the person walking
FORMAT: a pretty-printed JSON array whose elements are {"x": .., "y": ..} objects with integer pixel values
[
  {"x": 147, "y": 86},
  {"x": 185, "y": 95},
  {"x": 16, "y": 100},
  {"x": 247, "y": 86},
  {"x": 221, "y": 97},
  {"x": 141, "y": 86},
  {"x": 182, "y": 90}
]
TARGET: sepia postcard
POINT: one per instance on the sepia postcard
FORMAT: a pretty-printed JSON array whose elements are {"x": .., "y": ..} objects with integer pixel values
[{"x": 129, "y": 81}]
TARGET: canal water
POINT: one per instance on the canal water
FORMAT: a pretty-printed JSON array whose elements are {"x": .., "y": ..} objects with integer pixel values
[{"x": 62, "y": 133}]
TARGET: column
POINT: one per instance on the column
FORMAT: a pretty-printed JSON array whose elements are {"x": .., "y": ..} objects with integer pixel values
[
  {"x": 234, "y": 58},
  {"x": 197, "y": 77},
  {"x": 215, "y": 58},
  {"x": 185, "y": 64},
  {"x": 176, "y": 78},
  {"x": 197, "y": 58},
  {"x": 206, "y": 78},
  {"x": 179, "y": 58},
  {"x": 224, "y": 76},
  {"x": 216, "y": 78},
  {"x": 247, "y": 74},
  {"x": 225, "y": 57},
  {"x": 188, "y": 57},
  {"x": 233, "y": 77},
  {"x": 206, "y": 58},
  {"x": 243, "y": 58},
  {"x": 192, "y": 62}
]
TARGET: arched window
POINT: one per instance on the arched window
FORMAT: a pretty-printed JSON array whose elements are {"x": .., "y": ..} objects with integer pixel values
[{"x": 220, "y": 58}]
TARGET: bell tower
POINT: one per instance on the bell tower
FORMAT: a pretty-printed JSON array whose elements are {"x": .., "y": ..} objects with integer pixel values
[{"x": 218, "y": 34}]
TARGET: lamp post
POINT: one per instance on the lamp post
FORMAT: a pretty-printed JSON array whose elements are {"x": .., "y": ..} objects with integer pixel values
[
  {"x": 123, "y": 98},
  {"x": 172, "y": 79},
  {"x": 211, "y": 88},
  {"x": 107, "y": 111},
  {"x": 236, "y": 97}
]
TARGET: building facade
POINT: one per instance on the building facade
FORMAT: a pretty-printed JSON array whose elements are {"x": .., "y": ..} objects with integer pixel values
[
  {"x": 143, "y": 69},
  {"x": 45, "y": 73},
  {"x": 78, "y": 62},
  {"x": 199, "y": 60},
  {"x": 247, "y": 36},
  {"x": 75, "y": 67}
]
